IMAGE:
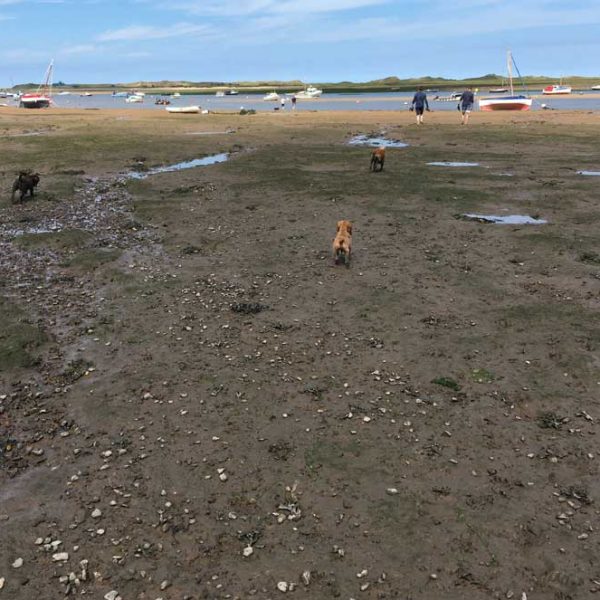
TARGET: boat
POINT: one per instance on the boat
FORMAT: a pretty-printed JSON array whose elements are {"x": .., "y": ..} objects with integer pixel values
[
  {"x": 310, "y": 93},
  {"x": 162, "y": 101},
  {"x": 220, "y": 94},
  {"x": 554, "y": 90},
  {"x": 231, "y": 92},
  {"x": 134, "y": 98},
  {"x": 34, "y": 101},
  {"x": 512, "y": 102},
  {"x": 120, "y": 94},
  {"x": 188, "y": 110},
  {"x": 64, "y": 93},
  {"x": 271, "y": 97},
  {"x": 596, "y": 87},
  {"x": 43, "y": 97},
  {"x": 176, "y": 95},
  {"x": 86, "y": 94}
]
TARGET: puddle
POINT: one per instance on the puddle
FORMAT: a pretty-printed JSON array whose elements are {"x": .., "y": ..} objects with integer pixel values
[
  {"x": 506, "y": 220},
  {"x": 589, "y": 173},
  {"x": 210, "y": 132},
  {"x": 26, "y": 134},
  {"x": 375, "y": 142},
  {"x": 453, "y": 164},
  {"x": 190, "y": 164}
]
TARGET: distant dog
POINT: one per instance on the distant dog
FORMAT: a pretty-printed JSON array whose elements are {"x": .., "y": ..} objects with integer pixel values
[
  {"x": 342, "y": 243},
  {"x": 25, "y": 182},
  {"x": 377, "y": 159}
]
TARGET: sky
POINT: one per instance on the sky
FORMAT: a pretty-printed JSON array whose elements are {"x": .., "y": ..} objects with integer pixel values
[{"x": 110, "y": 41}]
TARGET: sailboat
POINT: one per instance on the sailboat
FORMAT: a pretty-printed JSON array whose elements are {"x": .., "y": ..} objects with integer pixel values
[
  {"x": 43, "y": 97},
  {"x": 553, "y": 90},
  {"x": 512, "y": 102}
]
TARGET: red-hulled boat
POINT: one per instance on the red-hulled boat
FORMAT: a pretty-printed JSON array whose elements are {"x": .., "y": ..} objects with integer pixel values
[{"x": 43, "y": 97}]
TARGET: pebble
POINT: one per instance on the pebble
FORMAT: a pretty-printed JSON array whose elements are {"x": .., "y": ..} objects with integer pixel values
[
  {"x": 282, "y": 586},
  {"x": 18, "y": 563},
  {"x": 306, "y": 577},
  {"x": 248, "y": 551},
  {"x": 60, "y": 556},
  {"x": 391, "y": 491},
  {"x": 2, "y": 581},
  {"x": 112, "y": 595},
  {"x": 164, "y": 585},
  {"x": 96, "y": 513}
]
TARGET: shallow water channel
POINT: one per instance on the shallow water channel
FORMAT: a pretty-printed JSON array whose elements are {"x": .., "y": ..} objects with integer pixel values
[{"x": 189, "y": 164}]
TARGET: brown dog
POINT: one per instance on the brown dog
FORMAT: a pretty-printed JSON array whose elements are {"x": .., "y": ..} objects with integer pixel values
[
  {"x": 25, "y": 183},
  {"x": 342, "y": 243},
  {"x": 377, "y": 159}
]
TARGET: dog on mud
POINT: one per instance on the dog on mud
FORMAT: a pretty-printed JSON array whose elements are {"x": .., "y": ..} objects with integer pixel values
[
  {"x": 25, "y": 183},
  {"x": 342, "y": 243},
  {"x": 377, "y": 159}
]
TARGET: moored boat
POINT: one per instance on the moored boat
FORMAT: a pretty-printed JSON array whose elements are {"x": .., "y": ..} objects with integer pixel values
[
  {"x": 134, "y": 98},
  {"x": 554, "y": 90},
  {"x": 310, "y": 93},
  {"x": 512, "y": 102},
  {"x": 183, "y": 109},
  {"x": 271, "y": 97},
  {"x": 596, "y": 87},
  {"x": 43, "y": 97},
  {"x": 231, "y": 92}
]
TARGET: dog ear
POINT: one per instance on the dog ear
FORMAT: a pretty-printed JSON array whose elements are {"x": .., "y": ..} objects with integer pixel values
[
  {"x": 338, "y": 225},
  {"x": 350, "y": 228}
]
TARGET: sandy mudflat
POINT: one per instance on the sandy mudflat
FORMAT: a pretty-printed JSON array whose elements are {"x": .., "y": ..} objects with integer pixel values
[{"x": 184, "y": 374}]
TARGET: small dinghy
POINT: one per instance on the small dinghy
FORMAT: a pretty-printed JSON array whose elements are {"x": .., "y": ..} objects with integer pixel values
[{"x": 189, "y": 110}]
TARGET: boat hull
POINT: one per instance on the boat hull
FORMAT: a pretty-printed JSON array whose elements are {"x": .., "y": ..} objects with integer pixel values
[
  {"x": 186, "y": 110},
  {"x": 506, "y": 103},
  {"x": 556, "y": 90},
  {"x": 34, "y": 101}
]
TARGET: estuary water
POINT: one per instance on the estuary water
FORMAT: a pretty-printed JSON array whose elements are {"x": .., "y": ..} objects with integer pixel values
[{"x": 586, "y": 101}]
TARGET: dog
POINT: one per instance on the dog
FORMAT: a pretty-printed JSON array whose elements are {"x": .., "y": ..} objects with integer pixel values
[
  {"x": 377, "y": 159},
  {"x": 25, "y": 182},
  {"x": 342, "y": 243}
]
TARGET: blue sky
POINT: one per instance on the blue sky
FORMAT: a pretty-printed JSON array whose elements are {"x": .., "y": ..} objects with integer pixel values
[{"x": 313, "y": 40}]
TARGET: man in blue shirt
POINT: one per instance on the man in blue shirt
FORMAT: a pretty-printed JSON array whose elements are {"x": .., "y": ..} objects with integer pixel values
[
  {"x": 465, "y": 104},
  {"x": 419, "y": 104}
]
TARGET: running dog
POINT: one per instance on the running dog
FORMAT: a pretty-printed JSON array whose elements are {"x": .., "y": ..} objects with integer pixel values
[
  {"x": 25, "y": 182},
  {"x": 377, "y": 159},
  {"x": 342, "y": 243}
]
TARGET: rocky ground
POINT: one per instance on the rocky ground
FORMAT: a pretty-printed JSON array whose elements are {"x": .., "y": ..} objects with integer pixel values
[{"x": 195, "y": 403}]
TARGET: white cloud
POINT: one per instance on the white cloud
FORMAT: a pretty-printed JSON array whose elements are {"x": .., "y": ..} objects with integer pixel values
[{"x": 150, "y": 32}]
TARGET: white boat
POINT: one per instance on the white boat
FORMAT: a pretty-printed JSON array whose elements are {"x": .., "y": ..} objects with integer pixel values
[
  {"x": 310, "y": 93},
  {"x": 231, "y": 92},
  {"x": 64, "y": 93},
  {"x": 43, "y": 97},
  {"x": 188, "y": 110},
  {"x": 220, "y": 94},
  {"x": 554, "y": 90},
  {"x": 596, "y": 87},
  {"x": 512, "y": 102},
  {"x": 271, "y": 97},
  {"x": 176, "y": 95},
  {"x": 134, "y": 98}
]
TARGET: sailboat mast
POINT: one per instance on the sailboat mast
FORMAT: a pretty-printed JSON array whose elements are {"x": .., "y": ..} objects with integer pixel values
[
  {"x": 46, "y": 86},
  {"x": 510, "y": 77}
]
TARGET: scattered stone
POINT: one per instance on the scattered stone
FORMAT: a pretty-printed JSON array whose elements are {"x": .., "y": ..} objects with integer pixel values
[
  {"x": 391, "y": 491},
  {"x": 283, "y": 586},
  {"x": 60, "y": 557},
  {"x": 248, "y": 551},
  {"x": 18, "y": 563},
  {"x": 96, "y": 514}
]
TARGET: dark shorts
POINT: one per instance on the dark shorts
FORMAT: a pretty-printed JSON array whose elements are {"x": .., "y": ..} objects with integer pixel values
[
  {"x": 465, "y": 108},
  {"x": 419, "y": 110}
]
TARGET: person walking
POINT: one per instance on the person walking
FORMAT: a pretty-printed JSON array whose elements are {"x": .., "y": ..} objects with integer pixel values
[
  {"x": 294, "y": 102},
  {"x": 465, "y": 104},
  {"x": 419, "y": 104},
  {"x": 283, "y": 104}
]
